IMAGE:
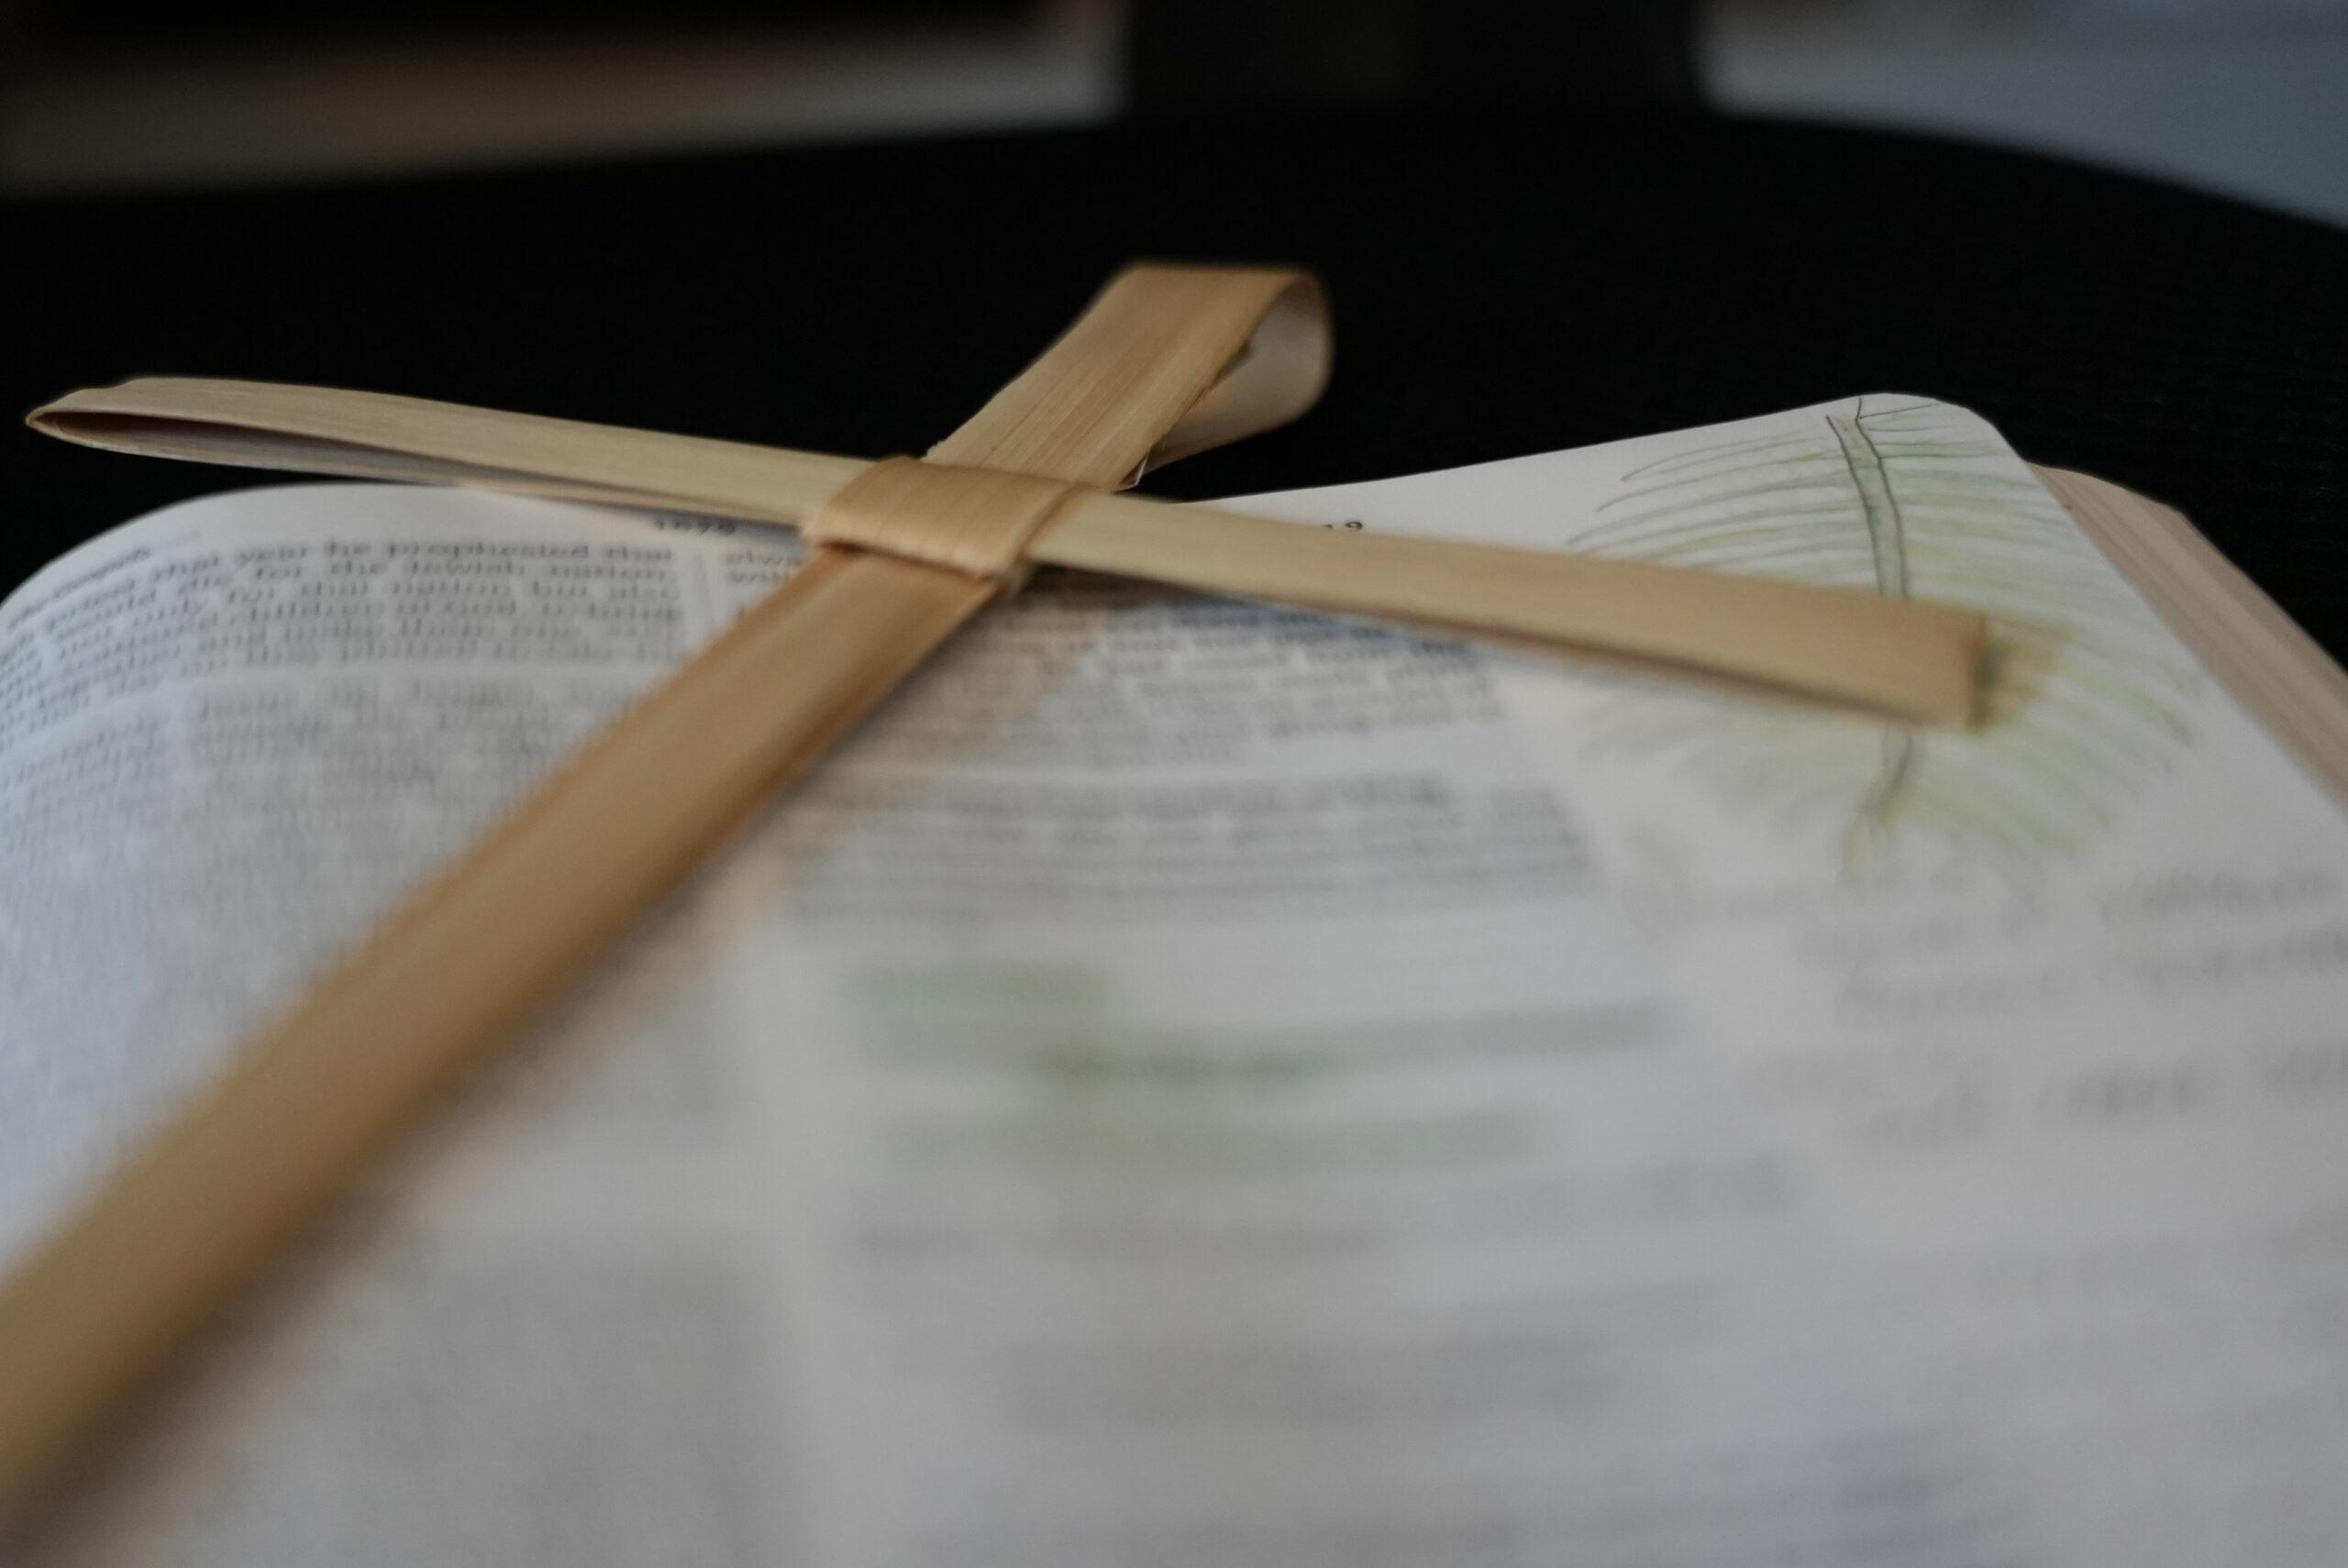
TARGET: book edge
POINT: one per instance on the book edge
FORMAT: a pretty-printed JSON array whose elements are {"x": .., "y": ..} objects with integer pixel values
[{"x": 2263, "y": 656}]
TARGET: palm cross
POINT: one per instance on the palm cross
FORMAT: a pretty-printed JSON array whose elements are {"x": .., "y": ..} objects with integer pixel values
[{"x": 1166, "y": 361}]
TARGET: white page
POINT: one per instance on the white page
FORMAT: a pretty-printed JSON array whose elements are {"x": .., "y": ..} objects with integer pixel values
[
  {"x": 1253, "y": 1134},
  {"x": 235, "y": 731},
  {"x": 2053, "y": 1008},
  {"x": 541, "y": 1340},
  {"x": 1316, "y": 1066}
]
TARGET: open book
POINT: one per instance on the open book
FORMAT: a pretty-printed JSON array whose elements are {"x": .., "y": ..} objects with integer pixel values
[{"x": 1193, "y": 1084}]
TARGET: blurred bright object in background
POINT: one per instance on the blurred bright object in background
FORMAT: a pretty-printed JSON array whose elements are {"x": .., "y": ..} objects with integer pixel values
[
  {"x": 2248, "y": 98},
  {"x": 144, "y": 95}
]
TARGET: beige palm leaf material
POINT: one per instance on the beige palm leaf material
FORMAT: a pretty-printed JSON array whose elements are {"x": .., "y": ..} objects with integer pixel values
[{"x": 2086, "y": 696}]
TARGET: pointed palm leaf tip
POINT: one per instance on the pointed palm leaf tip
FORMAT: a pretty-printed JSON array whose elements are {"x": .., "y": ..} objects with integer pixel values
[{"x": 2086, "y": 697}]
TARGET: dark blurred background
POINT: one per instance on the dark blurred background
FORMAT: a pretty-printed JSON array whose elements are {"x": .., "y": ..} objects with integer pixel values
[{"x": 2249, "y": 97}]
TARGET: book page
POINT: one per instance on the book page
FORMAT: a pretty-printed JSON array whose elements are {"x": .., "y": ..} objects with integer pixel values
[
  {"x": 1181, "y": 1088},
  {"x": 2052, "y": 1008},
  {"x": 1235, "y": 1123},
  {"x": 235, "y": 733}
]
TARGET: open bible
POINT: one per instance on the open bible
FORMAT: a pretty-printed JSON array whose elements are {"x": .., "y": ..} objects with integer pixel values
[{"x": 1195, "y": 1084}]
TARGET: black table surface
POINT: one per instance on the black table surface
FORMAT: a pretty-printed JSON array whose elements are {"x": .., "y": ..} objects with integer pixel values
[{"x": 1501, "y": 286}]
